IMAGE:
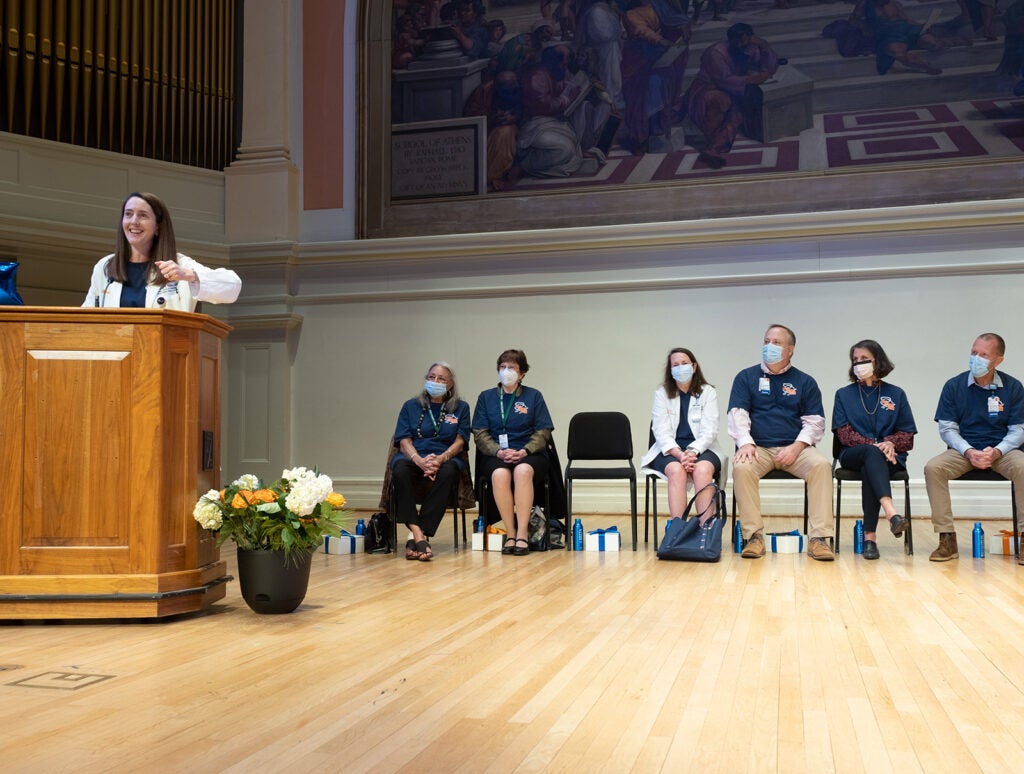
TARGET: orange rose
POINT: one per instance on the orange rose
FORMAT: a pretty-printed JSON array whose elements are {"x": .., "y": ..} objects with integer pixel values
[
  {"x": 264, "y": 496},
  {"x": 243, "y": 499},
  {"x": 335, "y": 500}
]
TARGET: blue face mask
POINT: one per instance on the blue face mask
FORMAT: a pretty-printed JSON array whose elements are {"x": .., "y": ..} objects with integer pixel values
[
  {"x": 771, "y": 353},
  {"x": 978, "y": 366},
  {"x": 682, "y": 373},
  {"x": 435, "y": 389}
]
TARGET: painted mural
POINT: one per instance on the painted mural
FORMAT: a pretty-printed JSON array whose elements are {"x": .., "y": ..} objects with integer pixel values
[{"x": 575, "y": 93}]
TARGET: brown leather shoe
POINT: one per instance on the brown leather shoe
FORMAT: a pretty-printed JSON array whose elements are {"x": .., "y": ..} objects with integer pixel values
[
  {"x": 947, "y": 548},
  {"x": 817, "y": 548},
  {"x": 754, "y": 549}
]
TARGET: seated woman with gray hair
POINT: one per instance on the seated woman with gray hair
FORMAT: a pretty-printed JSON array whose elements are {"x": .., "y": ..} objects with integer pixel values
[{"x": 431, "y": 433}]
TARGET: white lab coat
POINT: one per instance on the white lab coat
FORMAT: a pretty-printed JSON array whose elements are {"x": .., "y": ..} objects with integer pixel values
[
  {"x": 218, "y": 286},
  {"x": 702, "y": 415}
]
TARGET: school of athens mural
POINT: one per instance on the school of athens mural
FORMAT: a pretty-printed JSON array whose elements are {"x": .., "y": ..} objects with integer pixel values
[{"x": 492, "y": 96}]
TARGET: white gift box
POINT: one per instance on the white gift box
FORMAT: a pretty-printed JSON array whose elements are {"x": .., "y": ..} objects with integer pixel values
[
  {"x": 1002, "y": 544},
  {"x": 494, "y": 541},
  {"x": 603, "y": 540},
  {"x": 345, "y": 543},
  {"x": 786, "y": 543}
]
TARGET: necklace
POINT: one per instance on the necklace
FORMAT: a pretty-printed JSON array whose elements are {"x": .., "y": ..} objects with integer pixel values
[{"x": 878, "y": 398}]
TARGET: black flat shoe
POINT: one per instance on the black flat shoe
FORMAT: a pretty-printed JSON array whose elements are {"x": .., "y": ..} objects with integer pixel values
[
  {"x": 522, "y": 550},
  {"x": 898, "y": 525},
  {"x": 870, "y": 549},
  {"x": 509, "y": 546}
]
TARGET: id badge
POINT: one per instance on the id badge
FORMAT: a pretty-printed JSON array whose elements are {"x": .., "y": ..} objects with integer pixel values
[
  {"x": 503, "y": 440},
  {"x": 764, "y": 385},
  {"x": 994, "y": 404}
]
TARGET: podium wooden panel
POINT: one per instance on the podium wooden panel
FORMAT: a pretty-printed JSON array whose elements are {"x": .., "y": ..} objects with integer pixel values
[{"x": 109, "y": 431}]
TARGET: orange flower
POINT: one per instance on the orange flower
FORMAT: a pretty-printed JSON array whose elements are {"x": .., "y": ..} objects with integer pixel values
[
  {"x": 335, "y": 500},
  {"x": 264, "y": 495},
  {"x": 243, "y": 499}
]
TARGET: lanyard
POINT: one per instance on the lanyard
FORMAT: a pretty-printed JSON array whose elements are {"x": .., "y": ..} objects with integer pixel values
[
  {"x": 427, "y": 411},
  {"x": 505, "y": 411}
]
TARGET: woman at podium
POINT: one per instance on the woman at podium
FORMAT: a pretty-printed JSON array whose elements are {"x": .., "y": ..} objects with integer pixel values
[{"x": 147, "y": 271}]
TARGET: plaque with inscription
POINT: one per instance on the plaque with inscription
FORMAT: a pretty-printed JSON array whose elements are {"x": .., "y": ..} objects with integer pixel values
[{"x": 439, "y": 158}]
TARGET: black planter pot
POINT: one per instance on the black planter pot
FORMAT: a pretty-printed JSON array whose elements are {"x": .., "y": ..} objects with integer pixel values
[{"x": 269, "y": 585}]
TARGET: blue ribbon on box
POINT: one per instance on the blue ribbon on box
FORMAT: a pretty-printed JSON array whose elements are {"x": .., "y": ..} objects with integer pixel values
[
  {"x": 795, "y": 532},
  {"x": 600, "y": 535},
  {"x": 344, "y": 534}
]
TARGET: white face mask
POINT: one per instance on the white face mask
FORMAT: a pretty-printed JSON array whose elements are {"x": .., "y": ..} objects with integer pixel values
[
  {"x": 863, "y": 370},
  {"x": 682, "y": 373},
  {"x": 508, "y": 377}
]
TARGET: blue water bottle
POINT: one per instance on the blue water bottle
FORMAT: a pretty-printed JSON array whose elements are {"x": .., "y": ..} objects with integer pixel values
[
  {"x": 577, "y": 535},
  {"x": 737, "y": 538},
  {"x": 978, "y": 541},
  {"x": 858, "y": 537},
  {"x": 360, "y": 527},
  {"x": 479, "y": 525}
]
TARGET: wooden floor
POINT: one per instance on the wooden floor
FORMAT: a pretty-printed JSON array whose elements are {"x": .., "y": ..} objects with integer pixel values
[{"x": 552, "y": 662}]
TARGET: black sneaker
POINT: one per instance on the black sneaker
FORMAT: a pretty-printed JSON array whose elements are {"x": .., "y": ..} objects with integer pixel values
[
  {"x": 898, "y": 525},
  {"x": 870, "y": 549}
]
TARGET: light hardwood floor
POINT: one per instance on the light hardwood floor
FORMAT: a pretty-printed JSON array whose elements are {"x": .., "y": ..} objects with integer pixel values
[{"x": 552, "y": 662}]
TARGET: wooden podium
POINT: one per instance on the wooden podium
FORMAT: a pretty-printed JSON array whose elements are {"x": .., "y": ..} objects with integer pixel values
[{"x": 109, "y": 432}]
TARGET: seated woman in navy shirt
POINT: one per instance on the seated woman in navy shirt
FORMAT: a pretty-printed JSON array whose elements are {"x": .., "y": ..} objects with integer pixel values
[
  {"x": 432, "y": 430},
  {"x": 512, "y": 428},
  {"x": 875, "y": 427}
]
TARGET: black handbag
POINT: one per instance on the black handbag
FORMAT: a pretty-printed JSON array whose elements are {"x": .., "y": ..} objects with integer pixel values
[
  {"x": 378, "y": 534},
  {"x": 686, "y": 539}
]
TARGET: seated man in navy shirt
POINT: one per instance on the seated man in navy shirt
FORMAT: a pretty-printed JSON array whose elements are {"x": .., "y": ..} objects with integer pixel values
[
  {"x": 981, "y": 421},
  {"x": 776, "y": 418}
]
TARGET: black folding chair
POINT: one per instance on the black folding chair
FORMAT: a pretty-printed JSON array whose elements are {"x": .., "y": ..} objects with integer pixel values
[
  {"x": 841, "y": 474},
  {"x": 597, "y": 436}
]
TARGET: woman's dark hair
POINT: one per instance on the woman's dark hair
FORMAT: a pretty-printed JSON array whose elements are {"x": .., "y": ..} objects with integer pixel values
[
  {"x": 516, "y": 356},
  {"x": 883, "y": 365},
  {"x": 696, "y": 383},
  {"x": 164, "y": 246}
]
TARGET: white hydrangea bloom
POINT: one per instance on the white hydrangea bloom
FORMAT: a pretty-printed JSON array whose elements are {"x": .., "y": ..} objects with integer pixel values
[
  {"x": 207, "y": 512},
  {"x": 247, "y": 481},
  {"x": 307, "y": 492}
]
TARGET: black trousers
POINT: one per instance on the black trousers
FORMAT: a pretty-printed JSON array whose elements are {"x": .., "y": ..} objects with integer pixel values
[
  {"x": 407, "y": 478},
  {"x": 875, "y": 485}
]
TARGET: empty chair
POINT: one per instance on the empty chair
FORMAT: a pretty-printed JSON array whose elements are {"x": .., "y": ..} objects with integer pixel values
[{"x": 601, "y": 436}]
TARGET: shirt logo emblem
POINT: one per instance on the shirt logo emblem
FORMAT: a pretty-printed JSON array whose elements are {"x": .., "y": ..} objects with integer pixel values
[
  {"x": 788, "y": 389},
  {"x": 451, "y": 419},
  {"x": 887, "y": 403},
  {"x": 520, "y": 408}
]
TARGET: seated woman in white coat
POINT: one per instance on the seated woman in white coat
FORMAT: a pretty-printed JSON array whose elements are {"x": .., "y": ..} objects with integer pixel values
[
  {"x": 146, "y": 269},
  {"x": 684, "y": 451}
]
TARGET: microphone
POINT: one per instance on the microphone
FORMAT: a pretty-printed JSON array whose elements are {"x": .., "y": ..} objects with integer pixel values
[
  {"x": 160, "y": 300},
  {"x": 103, "y": 296}
]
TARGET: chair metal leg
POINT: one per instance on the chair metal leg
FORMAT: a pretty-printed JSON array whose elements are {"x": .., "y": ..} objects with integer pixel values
[
  {"x": 632, "y": 502},
  {"x": 647, "y": 508},
  {"x": 1016, "y": 530},
  {"x": 568, "y": 516},
  {"x": 839, "y": 503},
  {"x": 908, "y": 536}
]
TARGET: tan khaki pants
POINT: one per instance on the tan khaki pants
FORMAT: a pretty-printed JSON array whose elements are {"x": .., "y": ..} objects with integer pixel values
[
  {"x": 811, "y": 466},
  {"x": 940, "y": 470}
]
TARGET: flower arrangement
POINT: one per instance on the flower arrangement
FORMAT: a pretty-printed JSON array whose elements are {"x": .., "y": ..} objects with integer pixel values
[{"x": 291, "y": 515}]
